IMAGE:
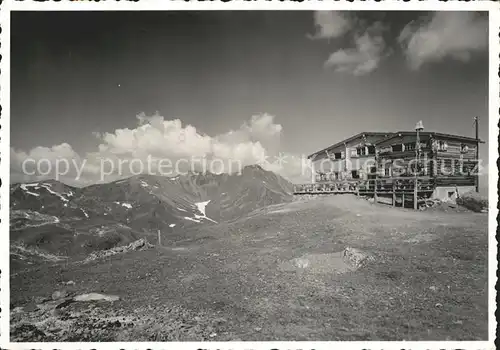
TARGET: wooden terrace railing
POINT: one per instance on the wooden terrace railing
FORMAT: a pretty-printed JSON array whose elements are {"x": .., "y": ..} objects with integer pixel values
[{"x": 406, "y": 187}]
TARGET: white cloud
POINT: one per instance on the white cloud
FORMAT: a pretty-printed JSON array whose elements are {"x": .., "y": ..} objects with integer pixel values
[
  {"x": 370, "y": 48},
  {"x": 156, "y": 136},
  {"x": 369, "y": 44},
  {"x": 444, "y": 35},
  {"x": 330, "y": 24},
  {"x": 41, "y": 163},
  {"x": 153, "y": 141}
]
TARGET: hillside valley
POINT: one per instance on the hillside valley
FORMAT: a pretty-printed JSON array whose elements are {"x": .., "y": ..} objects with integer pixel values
[
  {"x": 52, "y": 221},
  {"x": 330, "y": 268}
]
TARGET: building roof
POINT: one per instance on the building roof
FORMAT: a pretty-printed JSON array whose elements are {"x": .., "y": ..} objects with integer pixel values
[
  {"x": 390, "y": 135},
  {"x": 433, "y": 134},
  {"x": 349, "y": 140}
]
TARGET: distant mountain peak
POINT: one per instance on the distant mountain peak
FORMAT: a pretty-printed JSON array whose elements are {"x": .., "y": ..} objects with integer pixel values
[{"x": 254, "y": 167}]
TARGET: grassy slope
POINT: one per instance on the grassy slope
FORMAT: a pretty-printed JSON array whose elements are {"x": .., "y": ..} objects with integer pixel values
[{"x": 237, "y": 280}]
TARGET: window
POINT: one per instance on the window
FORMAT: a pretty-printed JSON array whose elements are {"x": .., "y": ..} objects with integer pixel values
[
  {"x": 385, "y": 149},
  {"x": 442, "y": 146},
  {"x": 464, "y": 148},
  {"x": 397, "y": 148},
  {"x": 413, "y": 168},
  {"x": 387, "y": 170},
  {"x": 355, "y": 174},
  {"x": 361, "y": 151},
  {"x": 371, "y": 149},
  {"x": 338, "y": 155},
  {"x": 409, "y": 146}
]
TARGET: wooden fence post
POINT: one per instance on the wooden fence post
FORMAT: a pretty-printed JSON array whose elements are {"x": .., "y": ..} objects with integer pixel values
[
  {"x": 159, "y": 238},
  {"x": 375, "y": 199},
  {"x": 393, "y": 194},
  {"x": 415, "y": 195},
  {"x": 403, "y": 200}
]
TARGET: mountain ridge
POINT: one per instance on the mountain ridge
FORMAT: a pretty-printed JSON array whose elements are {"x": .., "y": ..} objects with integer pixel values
[{"x": 71, "y": 221}]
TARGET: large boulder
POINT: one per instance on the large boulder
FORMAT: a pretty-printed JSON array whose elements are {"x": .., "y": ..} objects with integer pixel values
[
  {"x": 473, "y": 201},
  {"x": 356, "y": 257}
]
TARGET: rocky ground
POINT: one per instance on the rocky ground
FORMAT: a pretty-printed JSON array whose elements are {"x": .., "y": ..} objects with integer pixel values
[{"x": 332, "y": 268}]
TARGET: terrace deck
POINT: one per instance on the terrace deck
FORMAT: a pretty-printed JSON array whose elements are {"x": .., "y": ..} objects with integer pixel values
[{"x": 410, "y": 189}]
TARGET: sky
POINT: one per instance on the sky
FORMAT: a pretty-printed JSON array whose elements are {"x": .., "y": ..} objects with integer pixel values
[{"x": 255, "y": 86}]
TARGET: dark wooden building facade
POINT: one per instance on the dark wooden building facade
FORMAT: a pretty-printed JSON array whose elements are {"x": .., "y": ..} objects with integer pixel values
[
  {"x": 407, "y": 166},
  {"x": 449, "y": 162}
]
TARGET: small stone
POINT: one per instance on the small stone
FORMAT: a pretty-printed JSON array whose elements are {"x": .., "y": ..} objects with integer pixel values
[
  {"x": 59, "y": 294},
  {"x": 433, "y": 288},
  {"x": 356, "y": 257},
  {"x": 212, "y": 335},
  {"x": 257, "y": 329},
  {"x": 438, "y": 305}
]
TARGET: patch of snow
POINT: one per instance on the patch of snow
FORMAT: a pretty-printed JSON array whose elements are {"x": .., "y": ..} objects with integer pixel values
[
  {"x": 179, "y": 248},
  {"x": 181, "y": 209},
  {"x": 126, "y": 205},
  {"x": 201, "y": 208},
  {"x": 196, "y": 216},
  {"x": 144, "y": 184},
  {"x": 37, "y": 219},
  {"x": 96, "y": 296},
  {"x": 25, "y": 188},
  {"x": 47, "y": 187},
  {"x": 191, "y": 219},
  {"x": 84, "y": 212},
  {"x": 171, "y": 225},
  {"x": 24, "y": 252}
]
